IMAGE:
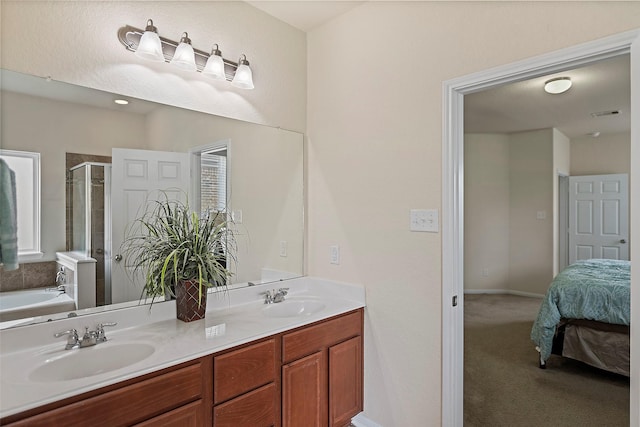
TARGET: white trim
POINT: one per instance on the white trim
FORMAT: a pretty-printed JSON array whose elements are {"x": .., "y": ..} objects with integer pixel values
[
  {"x": 31, "y": 253},
  {"x": 361, "y": 421},
  {"x": 502, "y": 292},
  {"x": 194, "y": 155},
  {"x": 452, "y": 196}
]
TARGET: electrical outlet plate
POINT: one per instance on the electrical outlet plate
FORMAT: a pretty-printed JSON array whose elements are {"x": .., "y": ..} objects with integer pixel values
[
  {"x": 283, "y": 248},
  {"x": 424, "y": 220}
]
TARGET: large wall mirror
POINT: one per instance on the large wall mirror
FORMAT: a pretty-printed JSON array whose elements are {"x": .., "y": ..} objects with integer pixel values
[{"x": 253, "y": 172}]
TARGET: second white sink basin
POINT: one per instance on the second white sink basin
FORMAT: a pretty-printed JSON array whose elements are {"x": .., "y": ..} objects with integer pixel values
[
  {"x": 293, "y": 308},
  {"x": 90, "y": 361}
]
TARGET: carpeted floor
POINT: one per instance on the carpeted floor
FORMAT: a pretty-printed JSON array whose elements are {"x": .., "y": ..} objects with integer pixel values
[{"x": 503, "y": 385}]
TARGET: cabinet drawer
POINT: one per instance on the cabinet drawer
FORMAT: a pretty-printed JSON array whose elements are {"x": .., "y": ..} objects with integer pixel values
[
  {"x": 185, "y": 416},
  {"x": 255, "y": 409},
  {"x": 313, "y": 338},
  {"x": 243, "y": 370},
  {"x": 127, "y": 405}
]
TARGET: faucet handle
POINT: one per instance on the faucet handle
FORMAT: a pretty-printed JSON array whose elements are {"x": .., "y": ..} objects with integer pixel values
[
  {"x": 100, "y": 330},
  {"x": 283, "y": 291},
  {"x": 72, "y": 341},
  {"x": 269, "y": 295},
  {"x": 102, "y": 325}
]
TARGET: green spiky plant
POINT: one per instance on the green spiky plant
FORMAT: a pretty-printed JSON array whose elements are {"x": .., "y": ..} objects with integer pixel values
[{"x": 169, "y": 244}]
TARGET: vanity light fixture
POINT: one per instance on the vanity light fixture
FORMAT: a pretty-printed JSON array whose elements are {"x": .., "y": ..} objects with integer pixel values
[
  {"x": 557, "y": 85},
  {"x": 149, "y": 45}
]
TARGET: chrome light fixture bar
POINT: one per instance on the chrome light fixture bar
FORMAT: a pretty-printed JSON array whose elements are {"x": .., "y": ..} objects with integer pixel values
[{"x": 130, "y": 37}]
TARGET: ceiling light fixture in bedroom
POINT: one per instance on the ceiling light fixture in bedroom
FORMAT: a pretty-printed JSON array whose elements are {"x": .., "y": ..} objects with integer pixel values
[{"x": 557, "y": 85}]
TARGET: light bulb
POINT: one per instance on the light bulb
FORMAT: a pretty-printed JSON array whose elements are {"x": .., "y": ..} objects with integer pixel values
[
  {"x": 243, "y": 77},
  {"x": 215, "y": 65},
  {"x": 184, "y": 58},
  {"x": 150, "y": 47}
]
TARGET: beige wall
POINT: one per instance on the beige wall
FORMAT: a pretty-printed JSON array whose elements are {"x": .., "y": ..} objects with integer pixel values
[
  {"x": 561, "y": 166},
  {"x": 486, "y": 198},
  {"x": 375, "y": 136},
  {"x": 265, "y": 168},
  {"x": 374, "y": 131},
  {"x": 530, "y": 194},
  {"x": 506, "y": 185},
  {"x": 609, "y": 153},
  {"x": 53, "y": 128},
  {"x": 76, "y": 42}
]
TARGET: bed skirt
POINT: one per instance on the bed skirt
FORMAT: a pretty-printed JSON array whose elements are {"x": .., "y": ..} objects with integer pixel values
[{"x": 602, "y": 345}]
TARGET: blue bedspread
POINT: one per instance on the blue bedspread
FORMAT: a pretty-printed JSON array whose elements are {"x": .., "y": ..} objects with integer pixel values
[{"x": 594, "y": 289}]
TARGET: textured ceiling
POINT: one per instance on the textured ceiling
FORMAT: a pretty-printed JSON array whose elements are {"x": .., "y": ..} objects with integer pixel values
[
  {"x": 523, "y": 106},
  {"x": 518, "y": 106},
  {"x": 307, "y": 14}
]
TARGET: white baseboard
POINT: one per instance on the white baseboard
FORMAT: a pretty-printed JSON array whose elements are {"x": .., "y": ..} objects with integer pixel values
[
  {"x": 503, "y": 292},
  {"x": 361, "y": 421}
]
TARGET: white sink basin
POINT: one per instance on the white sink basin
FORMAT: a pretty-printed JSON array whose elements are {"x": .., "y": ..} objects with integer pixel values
[
  {"x": 293, "y": 308},
  {"x": 86, "y": 362}
]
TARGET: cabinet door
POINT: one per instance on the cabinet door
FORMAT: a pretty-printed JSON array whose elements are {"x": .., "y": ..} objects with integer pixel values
[
  {"x": 345, "y": 381},
  {"x": 304, "y": 392}
]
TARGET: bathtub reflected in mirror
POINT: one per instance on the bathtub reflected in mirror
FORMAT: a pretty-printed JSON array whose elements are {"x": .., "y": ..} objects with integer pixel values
[{"x": 15, "y": 306}]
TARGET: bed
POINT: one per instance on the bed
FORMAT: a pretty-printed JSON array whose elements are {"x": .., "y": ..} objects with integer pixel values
[{"x": 585, "y": 315}]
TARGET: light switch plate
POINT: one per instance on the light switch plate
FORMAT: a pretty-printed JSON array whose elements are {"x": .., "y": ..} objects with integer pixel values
[
  {"x": 236, "y": 216},
  {"x": 283, "y": 248},
  {"x": 334, "y": 254},
  {"x": 424, "y": 220}
]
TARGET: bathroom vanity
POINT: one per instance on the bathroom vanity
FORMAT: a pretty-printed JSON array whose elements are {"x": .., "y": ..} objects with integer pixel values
[{"x": 266, "y": 365}]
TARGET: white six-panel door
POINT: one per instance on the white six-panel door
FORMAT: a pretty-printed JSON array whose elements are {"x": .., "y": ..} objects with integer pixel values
[
  {"x": 136, "y": 176},
  {"x": 598, "y": 217}
]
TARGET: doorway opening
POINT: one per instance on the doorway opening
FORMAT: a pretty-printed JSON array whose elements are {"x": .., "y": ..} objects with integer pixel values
[{"x": 453, "y": 197}]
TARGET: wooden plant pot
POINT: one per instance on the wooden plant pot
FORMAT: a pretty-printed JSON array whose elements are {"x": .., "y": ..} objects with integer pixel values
[{"x": 189, "y": 307}]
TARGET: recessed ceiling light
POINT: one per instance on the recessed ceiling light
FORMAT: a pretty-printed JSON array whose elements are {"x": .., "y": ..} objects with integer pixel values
[
  {"x": 557, "y": 85},
  {"x": 121, "y": 101}
]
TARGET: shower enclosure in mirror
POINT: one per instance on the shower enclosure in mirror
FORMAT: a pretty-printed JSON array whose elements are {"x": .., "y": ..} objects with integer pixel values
[{"x": 90, "y": 225}]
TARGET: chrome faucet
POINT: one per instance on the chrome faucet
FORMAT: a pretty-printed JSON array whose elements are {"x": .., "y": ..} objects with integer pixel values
[
  {"x": 89, "y": 339},
  {"x": 272, "y": 296},
  {"x": 61, "y": 279}
]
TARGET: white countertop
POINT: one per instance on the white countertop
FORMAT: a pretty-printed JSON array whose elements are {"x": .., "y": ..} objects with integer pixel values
[{"x": 234, "y": 317}]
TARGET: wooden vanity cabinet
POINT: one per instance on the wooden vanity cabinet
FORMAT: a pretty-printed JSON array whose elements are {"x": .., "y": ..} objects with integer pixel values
[
  {"x": 322, "y": 373},
  {"x": 309, "y": 376}
]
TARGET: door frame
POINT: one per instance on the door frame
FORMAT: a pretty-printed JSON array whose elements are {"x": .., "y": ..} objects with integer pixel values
[
  {"x": 563, "y": 221},
  {"x": 453, "y": 196}
]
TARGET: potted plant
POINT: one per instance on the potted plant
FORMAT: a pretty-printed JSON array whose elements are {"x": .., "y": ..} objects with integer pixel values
[{"x": 179, "y": 253}]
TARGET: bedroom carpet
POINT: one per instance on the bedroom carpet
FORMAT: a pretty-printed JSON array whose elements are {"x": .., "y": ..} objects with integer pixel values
[{"x": 503, "y": 385}]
